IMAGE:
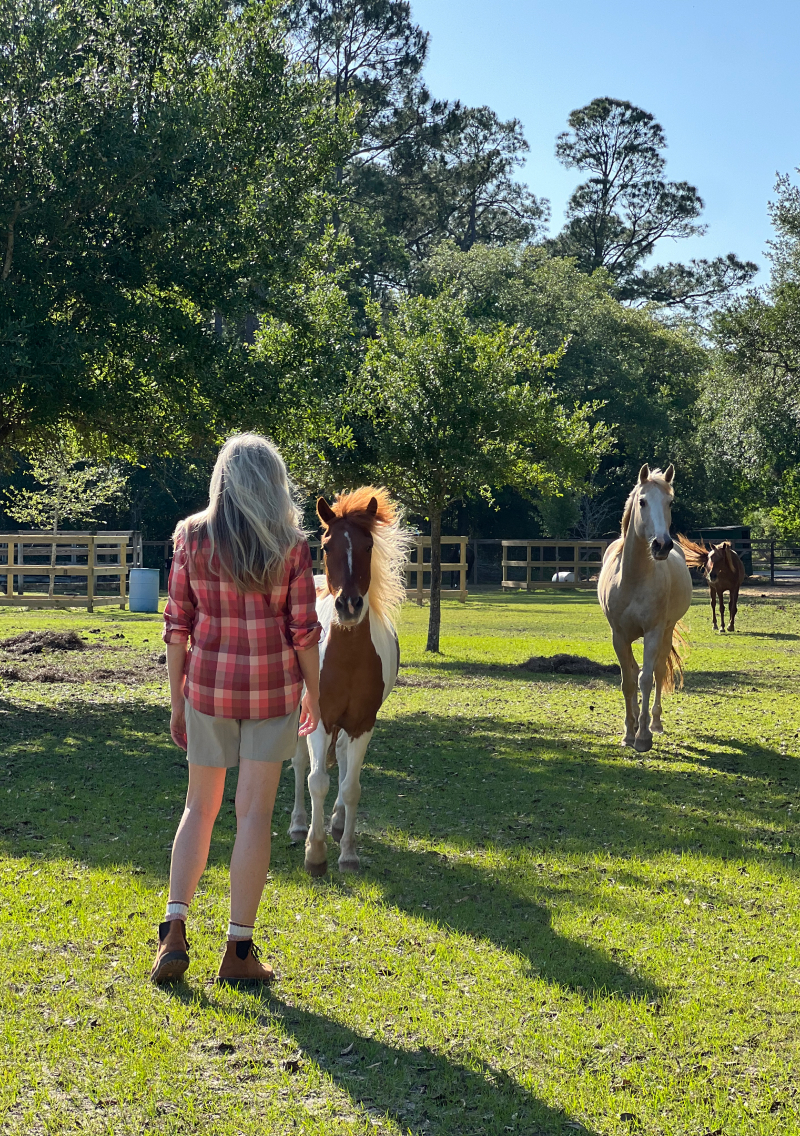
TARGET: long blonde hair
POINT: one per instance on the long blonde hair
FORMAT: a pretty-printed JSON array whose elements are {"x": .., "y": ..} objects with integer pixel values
[{"x": 252, "y": 521}]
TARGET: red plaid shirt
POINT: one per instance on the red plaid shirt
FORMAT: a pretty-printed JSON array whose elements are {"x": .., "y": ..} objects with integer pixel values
[{"x": 241, "y": 662}]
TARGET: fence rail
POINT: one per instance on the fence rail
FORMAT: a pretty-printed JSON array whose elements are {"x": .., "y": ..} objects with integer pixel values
[
  {"x": 578, "y": 561},
  {"x": 67, "y": 557},
  {"x": 419, "y": 566}
]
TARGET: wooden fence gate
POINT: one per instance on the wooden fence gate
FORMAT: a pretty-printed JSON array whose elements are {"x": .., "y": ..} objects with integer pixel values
[
  {"x": 544, "y": 559},
  {"x": 70, "y": 557}
]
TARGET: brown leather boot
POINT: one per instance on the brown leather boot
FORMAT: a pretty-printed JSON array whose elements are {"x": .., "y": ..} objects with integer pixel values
[
  {"x": 172, "y": 957},
  {"x": 240, "y": 963}
]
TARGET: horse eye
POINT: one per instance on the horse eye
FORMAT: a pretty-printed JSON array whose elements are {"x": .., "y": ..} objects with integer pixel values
[{"x": 642, "y": 501}]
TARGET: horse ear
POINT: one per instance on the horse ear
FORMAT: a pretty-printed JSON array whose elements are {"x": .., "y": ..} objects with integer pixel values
[
  {"x": 372, "y": 507},
  {"x": 644, "y": 473},
  {"x": 669, "y": 473},
  {"x": 324, "y": 511}
]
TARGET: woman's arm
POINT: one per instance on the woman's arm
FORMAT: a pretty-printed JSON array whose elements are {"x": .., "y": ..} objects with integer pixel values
[
  {"x": 176, "y": 663},
  {"x": 308, "y": 661}
]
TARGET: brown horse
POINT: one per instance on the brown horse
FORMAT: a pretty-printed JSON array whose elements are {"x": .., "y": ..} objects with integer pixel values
[
  {"x": 364, "y": 585},
  {"x": 724, "y": 572}
]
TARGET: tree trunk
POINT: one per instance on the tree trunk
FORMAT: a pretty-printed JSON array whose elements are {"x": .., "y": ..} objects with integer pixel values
[
  {"x": 435, "y": 616},
  {"x": 52, "y": 585}
]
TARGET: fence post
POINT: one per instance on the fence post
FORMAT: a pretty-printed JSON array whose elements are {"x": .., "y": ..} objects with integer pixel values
[
  {"x": 20, "y": 562},
  {"x": 10, "y": 576},
  {"x": 462, "y": 570},
  {"x": 123, "y": 572},
  {"x": 90, "y": 566},
  {"x": 772, "y": 562},
  {"x": 475, "y": 562}
]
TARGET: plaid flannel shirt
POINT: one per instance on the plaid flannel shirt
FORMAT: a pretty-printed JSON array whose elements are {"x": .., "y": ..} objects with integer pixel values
[{"x": 241, "y": 662}]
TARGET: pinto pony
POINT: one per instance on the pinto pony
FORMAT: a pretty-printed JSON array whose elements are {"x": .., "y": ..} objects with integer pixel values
[
  {"x": 365, "y": 555},
  {"x": 644, "y": 589},
  {"x": 724, "y": 572}
]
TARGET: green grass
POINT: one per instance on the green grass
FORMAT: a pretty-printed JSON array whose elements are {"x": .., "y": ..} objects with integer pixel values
[{"x": 550, "y": 933}]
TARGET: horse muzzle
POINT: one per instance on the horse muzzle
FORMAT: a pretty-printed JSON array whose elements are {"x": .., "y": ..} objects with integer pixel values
[
  {"x": 661, "y": 548},
  {"x": 349, "y": 609}
]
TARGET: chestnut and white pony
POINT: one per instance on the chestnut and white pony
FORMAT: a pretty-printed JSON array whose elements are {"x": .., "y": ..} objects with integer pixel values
[
  {"x": 644, "y": 590},
  {"x": 364, "y": 585}
]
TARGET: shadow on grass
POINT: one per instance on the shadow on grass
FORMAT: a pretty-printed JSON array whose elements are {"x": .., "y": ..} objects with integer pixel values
[
  {"x": 103, "y": 784},
  {"x": 422, "y": 1091}
]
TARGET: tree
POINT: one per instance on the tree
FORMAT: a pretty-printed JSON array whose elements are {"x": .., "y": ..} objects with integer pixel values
[
  {"x": 616, "y": 218},
  {"x": 457, "y": 410},
  {"x": 752, "y": 399},
  {"x": 643, "y": 378},
  {"x": 162, "y": 162},
  {"x": 71, "y": 489}
]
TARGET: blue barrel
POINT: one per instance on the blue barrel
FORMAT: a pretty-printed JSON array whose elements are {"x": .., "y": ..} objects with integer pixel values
[{"x": 143, "y": 589}]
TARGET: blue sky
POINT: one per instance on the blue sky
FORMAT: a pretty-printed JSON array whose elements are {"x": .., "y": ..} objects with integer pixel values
[{"x": 723, "y": 79}]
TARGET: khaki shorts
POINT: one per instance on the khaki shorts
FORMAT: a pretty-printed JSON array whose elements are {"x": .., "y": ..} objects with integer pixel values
[{"x": 222, "y": 741}]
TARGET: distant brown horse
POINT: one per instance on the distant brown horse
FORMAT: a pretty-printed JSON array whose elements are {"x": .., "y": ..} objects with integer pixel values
[{"x": 724, "y": 572}]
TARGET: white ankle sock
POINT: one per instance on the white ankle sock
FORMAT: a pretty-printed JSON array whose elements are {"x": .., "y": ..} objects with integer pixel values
[
  {"x": 238, "y": 932},
  {"x": 176, "y": 911}
]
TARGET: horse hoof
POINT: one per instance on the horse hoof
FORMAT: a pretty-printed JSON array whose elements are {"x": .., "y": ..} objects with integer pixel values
[
  {"x": 642, "y": 745},
  {"x": 628, "y": 741},
  {"x": 654, "y": 729},
  {"x": 337, "y": 833},
  {"x": 352, "y": 864},
  {"x": 298, "y": 835},
  {"x": 316, "y": 870}
]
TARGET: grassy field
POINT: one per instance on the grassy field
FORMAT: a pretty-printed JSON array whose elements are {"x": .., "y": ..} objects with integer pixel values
[{"x": 550, "y": 933}]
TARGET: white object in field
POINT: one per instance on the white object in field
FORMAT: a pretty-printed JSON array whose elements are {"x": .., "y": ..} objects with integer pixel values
[{"x": 563, "y": 577}]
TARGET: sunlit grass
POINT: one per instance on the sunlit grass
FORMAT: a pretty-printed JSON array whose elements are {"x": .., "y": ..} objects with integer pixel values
[{"x": 549, "y": 934}]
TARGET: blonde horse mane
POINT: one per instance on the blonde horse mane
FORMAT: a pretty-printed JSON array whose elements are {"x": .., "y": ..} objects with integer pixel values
[
  {"x": 695, "y": 555},
  {"x": 390, "y": 547}
]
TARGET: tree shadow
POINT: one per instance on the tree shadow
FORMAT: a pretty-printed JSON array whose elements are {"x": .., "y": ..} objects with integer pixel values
[{"x": 424, "y": 1092}]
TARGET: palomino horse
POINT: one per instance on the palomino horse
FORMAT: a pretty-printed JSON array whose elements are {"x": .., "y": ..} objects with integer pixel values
[
  {"x": 365, "y": 554},
  {"x": 724, "y": 572},
  {"x": 644, "y": 590}
]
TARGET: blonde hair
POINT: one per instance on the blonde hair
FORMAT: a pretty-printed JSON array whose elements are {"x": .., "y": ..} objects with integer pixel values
[{"x": 252, "y": 521}]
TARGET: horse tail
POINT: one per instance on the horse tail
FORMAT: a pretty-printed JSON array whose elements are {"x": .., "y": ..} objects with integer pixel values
[
  {"x": 695, "y": 555},
  {"x": 677, "y": 653},
  {"x": 330, "y": 756}
]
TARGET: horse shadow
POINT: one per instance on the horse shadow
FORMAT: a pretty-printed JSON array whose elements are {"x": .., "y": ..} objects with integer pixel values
[{"x": 424, "y": 1092}]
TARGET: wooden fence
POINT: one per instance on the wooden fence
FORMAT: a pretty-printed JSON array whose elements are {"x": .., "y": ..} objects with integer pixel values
[
  {"x": 419, "y": 566},
  {"x": 69, "y": 557},
  {"x": 545, "y": 558}
]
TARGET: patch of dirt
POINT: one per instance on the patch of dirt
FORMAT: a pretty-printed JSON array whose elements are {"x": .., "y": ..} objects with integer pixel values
[
  {"x": 418, "y": 680},
  {"x": 34, "y": 642},
  {"x": 568, "y": 664}
]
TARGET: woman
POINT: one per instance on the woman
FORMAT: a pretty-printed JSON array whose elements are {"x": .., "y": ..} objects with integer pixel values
[{"x": 242, "y": 637}]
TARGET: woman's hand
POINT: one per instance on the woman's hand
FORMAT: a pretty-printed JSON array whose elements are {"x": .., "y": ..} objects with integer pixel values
[
  {"x": 309, "y": 715},
  {"x": 177, "y": 725}
]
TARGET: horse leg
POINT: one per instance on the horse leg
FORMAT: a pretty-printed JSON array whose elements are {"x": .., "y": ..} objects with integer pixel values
[
  {"x": 316, "y": 862},
  {"x": 337, "y": 816},
  {"x": 628, "y": 668},
  {"x": 660, "y": 674},
  {"x": 298, "y": 825},
  {"x": 722, "y": 610},
  {"x": 733, "y": 607},
  {"x": 714, "y": 607},
  {"x": 652, "y": 648},
  {"x": 351, "y": 794}
]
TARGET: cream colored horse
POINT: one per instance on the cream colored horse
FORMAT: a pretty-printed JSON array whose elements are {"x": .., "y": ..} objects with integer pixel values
[{"x": 644, "y": 590}]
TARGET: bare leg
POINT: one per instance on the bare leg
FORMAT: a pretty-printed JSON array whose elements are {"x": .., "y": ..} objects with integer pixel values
[
  {"x": 714, "y": 608},
  {"x": 337, "y": 817},
  {"x": 316, "y": 862},
  {"x": 351, "y": 794},
  {"x": 733, "y": 607},
  {"x": 722, "y": 610},
  {"x": 652, "y": 648},
  {"x": 255, "y": 800},
  {"x": 298, "y": 825},
  {"x": 656, "y": 726},
  {"x": 193, "y": 838},
  {"x": 628, "y": 667}
]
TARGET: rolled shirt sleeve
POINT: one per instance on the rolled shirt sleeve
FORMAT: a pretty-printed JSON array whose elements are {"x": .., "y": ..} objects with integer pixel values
[
  {"x": 303, "y": 629},
  {"x": 179, "y": 613}
]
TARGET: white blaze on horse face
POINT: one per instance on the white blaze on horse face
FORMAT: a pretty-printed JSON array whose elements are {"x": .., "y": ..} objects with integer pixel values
[
  {"x": 653, "y": 517},
  {"x": 349, "y": 552}
]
